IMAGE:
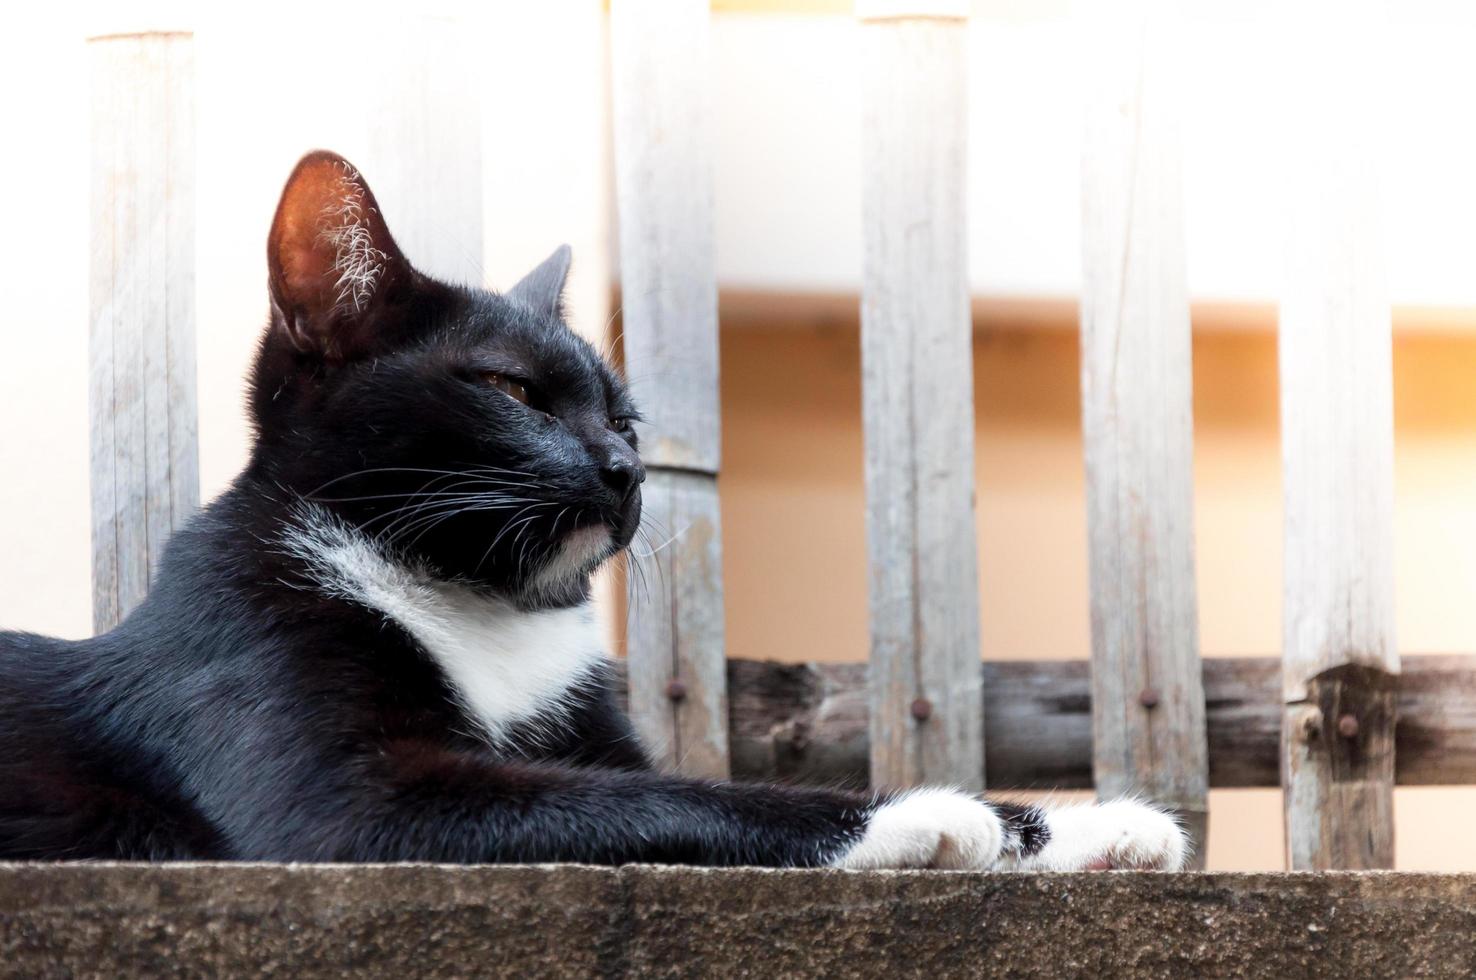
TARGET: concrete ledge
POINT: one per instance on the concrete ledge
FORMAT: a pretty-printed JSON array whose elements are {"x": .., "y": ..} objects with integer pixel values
[{"x": 432, "y": 921}]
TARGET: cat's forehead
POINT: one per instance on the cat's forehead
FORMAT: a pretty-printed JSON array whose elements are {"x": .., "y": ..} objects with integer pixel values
[{"x": 502, "y": 323}]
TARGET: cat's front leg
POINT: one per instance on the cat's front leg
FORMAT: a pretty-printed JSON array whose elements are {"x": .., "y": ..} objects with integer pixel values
[
  {"x": 943, "y": 828},
  {"x": 1121, "y": 834}
]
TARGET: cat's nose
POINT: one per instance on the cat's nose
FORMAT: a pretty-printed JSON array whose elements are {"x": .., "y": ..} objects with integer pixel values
[{"x": 623, "y": 474}]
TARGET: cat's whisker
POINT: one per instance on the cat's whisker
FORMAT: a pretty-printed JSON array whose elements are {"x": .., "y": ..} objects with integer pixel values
[
  {"x": 428, "y": 522},
  {"x": 415, "y": 500},
  {"x": 521, "y": 520},
  {"x": 468, "y": 487},
  {"x": 421, "y": 520},
  {"x": 665, "y": 544},
  {"x": 402, "y": 517},
  {"x": 553, "y": 531},
  {"x": 518, "y": 520},
  {"x": 434, "y": 513},
  {"x": 505, "y": 528},
  {"x": 381, "y": 469},
  {"x": 409, "y": 513},
  {"x": 611, "y": 342},
  {"x": 390, "y": 496},
  {"x": 523, "y": 551},
  {"x": 471, "y": 467},
  {"x": 636, "y": 586},
  {"x": 636, "y": 560}
]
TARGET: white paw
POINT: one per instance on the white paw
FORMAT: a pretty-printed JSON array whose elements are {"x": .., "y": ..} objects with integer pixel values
[
  {"x": 1122, "y": 834},
  {"x": 928, "y": 828}
]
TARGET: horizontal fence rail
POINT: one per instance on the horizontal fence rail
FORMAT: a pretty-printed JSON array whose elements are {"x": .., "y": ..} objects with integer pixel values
[{"x": 809, "y": 723}]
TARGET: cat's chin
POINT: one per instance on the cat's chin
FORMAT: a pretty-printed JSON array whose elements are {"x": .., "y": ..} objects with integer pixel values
[{"x": 578, "y": 555}]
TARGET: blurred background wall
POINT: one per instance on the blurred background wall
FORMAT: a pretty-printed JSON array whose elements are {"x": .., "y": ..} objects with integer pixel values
[{"x": 273, "y": 82}]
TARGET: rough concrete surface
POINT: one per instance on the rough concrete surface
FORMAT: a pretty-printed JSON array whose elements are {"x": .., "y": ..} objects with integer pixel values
[{"x": 406, "y": 921}]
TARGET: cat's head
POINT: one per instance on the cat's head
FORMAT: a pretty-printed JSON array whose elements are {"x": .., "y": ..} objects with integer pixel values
[{"x": 470, "y": 432}]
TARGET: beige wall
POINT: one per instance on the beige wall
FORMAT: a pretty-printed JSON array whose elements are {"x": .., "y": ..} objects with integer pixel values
[{"x": 794, "y": 535}]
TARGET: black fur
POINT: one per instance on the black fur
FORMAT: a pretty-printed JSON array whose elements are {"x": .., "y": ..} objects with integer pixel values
[
  {"x": 1026, "y": 831},
  {"x": 242, "y": 713}
]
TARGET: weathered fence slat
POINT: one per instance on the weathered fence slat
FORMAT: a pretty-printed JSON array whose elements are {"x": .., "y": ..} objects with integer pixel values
[
  {"x": 425, "y": 146},
  {"x": 144, "y": 461},
  {"x": 1137, "y": 424},
  {"x": 663, "y": 185},
  {"x": 918, "y": 408},
  {"x": 1337, "y": 432}
]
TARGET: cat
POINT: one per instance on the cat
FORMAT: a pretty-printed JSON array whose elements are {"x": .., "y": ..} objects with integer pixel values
[{"x": 377, "y": 644}]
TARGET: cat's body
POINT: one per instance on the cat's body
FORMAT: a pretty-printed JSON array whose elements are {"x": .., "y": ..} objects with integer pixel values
[
  {"x": 377, "y": 644},
  {"x": 201, "y": 728}
]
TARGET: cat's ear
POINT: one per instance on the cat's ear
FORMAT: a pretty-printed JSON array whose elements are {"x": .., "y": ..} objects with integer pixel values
[
  {"x": 543, "y": 288},
  {"x": 330, "y": 258}
]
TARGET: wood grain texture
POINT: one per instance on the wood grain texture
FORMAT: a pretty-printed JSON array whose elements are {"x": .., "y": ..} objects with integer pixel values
[
  {"x": 810, "y": 723},
  {"x": 675, "y": 625},
  {"x": 1337, "y": 459},
  {"x": 425, "y": 145},
  {"x": 1137, "y": 423},
  {"x": 917, "y": 396},
  {"x": 663, "y": 186},
  {"x": 144, "y": 453}
]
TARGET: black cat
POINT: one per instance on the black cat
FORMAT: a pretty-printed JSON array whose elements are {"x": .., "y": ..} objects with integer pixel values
[{"x": 377, "y": 645}]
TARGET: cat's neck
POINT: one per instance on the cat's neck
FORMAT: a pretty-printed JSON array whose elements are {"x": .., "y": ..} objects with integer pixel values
[{"x": 507, "y": 664}]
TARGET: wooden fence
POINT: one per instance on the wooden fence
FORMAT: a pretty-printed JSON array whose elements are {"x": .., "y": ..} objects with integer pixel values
[{"x": 1148, "y": 716}]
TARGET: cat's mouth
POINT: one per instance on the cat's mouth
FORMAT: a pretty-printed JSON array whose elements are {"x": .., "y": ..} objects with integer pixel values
[
  {"x": 602, "y": 534},
  {"x": 619, "y": 522}
]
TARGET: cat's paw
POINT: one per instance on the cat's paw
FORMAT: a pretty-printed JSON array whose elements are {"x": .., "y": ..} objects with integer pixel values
[
  {"x": 927, "y": 828},
  {"x": 1122, "y": 834}
]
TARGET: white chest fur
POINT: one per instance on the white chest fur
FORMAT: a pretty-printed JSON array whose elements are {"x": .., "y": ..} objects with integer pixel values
[{"x": 505, "y": 665}]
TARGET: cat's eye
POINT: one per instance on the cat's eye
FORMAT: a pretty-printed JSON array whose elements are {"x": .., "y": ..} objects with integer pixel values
[{"x": 513, "y": 389}]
